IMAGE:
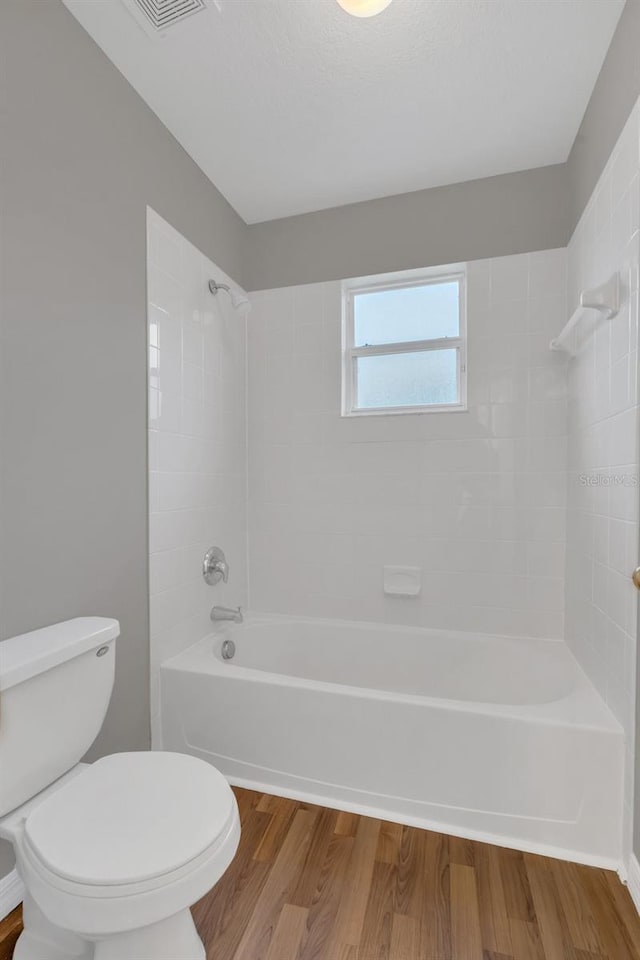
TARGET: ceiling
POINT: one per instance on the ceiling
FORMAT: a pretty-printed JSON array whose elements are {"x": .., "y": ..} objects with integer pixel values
[{"x": 290, "y": 106}]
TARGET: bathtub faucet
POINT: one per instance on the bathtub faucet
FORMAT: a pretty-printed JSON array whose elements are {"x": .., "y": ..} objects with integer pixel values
[{"x": 226, "y": 613}]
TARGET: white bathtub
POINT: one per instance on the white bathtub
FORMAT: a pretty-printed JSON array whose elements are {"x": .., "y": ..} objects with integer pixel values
[{"x": 491, "y": 738}]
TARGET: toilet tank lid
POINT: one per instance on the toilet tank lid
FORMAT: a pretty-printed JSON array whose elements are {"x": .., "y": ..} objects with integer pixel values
[{"x": 29, "y": 654}]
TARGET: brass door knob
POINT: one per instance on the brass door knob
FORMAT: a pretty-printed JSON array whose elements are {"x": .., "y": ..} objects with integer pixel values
[{"x": 635, "y": 576}]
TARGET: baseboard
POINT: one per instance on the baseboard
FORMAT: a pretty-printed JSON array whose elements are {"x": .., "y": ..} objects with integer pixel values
[
  {"x": 11, "y": 893},
  {"x": 633, "y": 881}
]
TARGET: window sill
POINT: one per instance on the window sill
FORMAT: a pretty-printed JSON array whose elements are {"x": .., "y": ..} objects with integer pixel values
[{"x": 407, "y": 411}]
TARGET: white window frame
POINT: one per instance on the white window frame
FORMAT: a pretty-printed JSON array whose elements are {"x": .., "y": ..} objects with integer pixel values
[{"x": 351, "y": 353}]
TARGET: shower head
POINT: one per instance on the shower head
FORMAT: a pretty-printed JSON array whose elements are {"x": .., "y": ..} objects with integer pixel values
[{"x": 239, "y": 299}]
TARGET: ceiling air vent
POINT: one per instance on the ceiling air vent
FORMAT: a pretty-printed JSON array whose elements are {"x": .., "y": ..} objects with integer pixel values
[{"x": 156, "y": 16}]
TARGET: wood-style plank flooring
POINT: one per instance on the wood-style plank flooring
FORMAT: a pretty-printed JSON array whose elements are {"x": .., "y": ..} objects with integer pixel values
[
  {"x": 315, "y": 884},
  {"x": 10, "y": 930}
]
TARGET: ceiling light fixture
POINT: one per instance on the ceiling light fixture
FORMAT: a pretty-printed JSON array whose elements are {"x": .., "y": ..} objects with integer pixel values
[{"x": 364, "y": 8}]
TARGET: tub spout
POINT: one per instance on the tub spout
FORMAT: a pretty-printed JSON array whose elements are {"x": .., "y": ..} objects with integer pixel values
[{"x": 226, "y": 613}]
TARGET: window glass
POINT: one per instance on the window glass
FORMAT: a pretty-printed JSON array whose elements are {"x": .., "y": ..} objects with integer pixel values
[
  {"x": 399, "y": 315},
  {"x": 412, "y": 379}
]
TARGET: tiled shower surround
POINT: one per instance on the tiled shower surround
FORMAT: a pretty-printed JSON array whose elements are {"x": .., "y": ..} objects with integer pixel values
[
  {"x": 603, "y": 429},
  {"x": 197, "y": 443},
  {"x": 476, "y": 499}
]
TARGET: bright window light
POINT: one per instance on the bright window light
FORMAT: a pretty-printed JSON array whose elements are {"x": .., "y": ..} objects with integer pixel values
[{"x": 404, "y": 344}]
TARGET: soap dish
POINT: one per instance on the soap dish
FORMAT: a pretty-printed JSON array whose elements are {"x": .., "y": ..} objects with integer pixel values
[{"x": 402, "y": 581}]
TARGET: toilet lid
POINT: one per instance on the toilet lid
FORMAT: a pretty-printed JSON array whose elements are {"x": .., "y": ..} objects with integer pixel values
[{"x": 131, "y": 817}]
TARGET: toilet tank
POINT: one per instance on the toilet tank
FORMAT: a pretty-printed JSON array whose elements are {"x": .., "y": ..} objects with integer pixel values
[{"x": 55, "y": 687}]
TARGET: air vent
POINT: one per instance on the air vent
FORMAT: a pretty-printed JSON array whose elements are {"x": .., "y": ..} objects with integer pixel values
[{"x": 157, "y": 16}]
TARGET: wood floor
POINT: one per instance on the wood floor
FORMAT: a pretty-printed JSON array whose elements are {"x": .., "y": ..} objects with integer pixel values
[
  {"x": 314, "y": 884},
  {"x": 10, "y": 929}
]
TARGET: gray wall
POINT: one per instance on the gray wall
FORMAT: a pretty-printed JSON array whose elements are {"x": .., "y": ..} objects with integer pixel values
[
  {"x": 82, "y": 156},
  {"x": 514, "y": 213},
  {"x": 616, "y": 91}
]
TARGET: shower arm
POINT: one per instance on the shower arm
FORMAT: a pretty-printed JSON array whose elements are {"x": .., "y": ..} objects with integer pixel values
[
  {"x": 239, "y": 299},
  {"x": 214, "y": 287}
]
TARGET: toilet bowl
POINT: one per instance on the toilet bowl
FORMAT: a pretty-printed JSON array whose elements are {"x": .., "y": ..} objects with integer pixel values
[{"x": 114, "y": 853}]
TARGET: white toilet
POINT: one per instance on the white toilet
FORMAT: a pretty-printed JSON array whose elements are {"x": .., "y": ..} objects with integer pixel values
[{"x": 114, "y": 853}]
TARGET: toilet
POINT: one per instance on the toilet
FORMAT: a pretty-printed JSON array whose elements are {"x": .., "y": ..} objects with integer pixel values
[{"x": 112, "y": 854}]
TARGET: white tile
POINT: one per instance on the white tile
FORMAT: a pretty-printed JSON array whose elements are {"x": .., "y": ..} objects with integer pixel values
[
  {"x": 169, "y": 412},
  {"x": 167, "y": 251},
  {"x": 153, "y": 449},
  {"x": 603, "y": 427},
  {"x": 166, "y": 532},
  {"x": 170, "y": 370},
  {"x": 195, "y": 496},
  {"x": 309, "y": 303},
  {"x": 309, "y": 338},
  {"x": 548, "y": 274},
  {"x": 192, "y": 343},
  {"x": 509, "y": 278},
  {"x": 545, "y": 559},
  {"x": 165, "y": 293},
  {"x": 195, "y": 417},
  {"x": 505, "y": 318},
  {"x": 478, "y": 286},
  {"x": 192, "y": 381}
]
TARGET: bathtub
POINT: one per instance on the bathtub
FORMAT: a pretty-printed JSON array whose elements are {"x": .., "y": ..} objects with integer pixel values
[{"x": 491, "y": 738}]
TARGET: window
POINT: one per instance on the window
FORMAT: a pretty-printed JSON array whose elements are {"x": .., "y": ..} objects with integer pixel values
[{"x": 404, "y": 344}]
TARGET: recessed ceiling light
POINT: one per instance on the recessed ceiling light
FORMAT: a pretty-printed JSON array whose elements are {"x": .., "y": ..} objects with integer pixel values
[{"x": 364, "y": 8}]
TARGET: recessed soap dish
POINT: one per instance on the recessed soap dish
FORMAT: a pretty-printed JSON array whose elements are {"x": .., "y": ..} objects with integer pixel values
[{"x": 402, "y": 581}]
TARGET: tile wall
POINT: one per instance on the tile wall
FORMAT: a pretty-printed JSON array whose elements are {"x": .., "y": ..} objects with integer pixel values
[
  {"x": 603, "y": 428},
  {"x": 476, "y": 499},
  {"x": 197, "y": 444}
]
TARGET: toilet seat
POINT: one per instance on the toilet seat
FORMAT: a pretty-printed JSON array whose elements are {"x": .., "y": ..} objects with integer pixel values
[
  {"x": 131, "y": 840},
  {"x": 130, "y": 818}
]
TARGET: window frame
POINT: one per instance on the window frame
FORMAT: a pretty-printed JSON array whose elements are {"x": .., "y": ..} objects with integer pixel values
[{"x": 351, "y": 353}]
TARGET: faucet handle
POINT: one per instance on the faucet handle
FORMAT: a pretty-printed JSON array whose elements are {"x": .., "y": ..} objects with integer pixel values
[{"x": 214, "y": 566}]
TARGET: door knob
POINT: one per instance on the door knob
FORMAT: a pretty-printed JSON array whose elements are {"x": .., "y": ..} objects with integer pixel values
[{"x": 635, "y": 576}]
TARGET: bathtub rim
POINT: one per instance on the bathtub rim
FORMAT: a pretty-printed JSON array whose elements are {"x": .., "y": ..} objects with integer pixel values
[{"x": 581, "y": 701}]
